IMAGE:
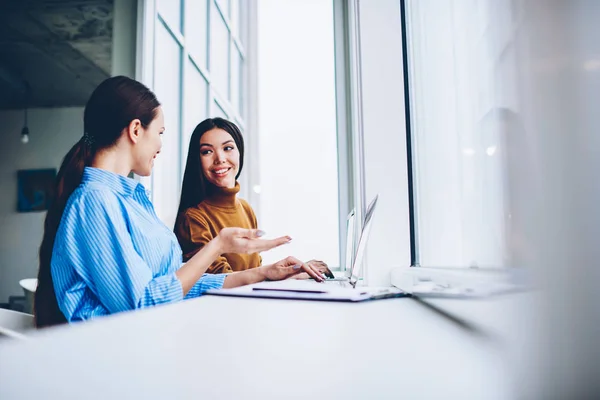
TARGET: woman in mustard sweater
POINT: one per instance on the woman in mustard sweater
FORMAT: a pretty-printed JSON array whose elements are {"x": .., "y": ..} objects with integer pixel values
[{"x": 209, "y": 200}]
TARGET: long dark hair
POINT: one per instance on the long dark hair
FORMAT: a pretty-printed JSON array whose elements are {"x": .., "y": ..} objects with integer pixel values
[
  {"x": 112, "y": 106},
  {"x": 195, "y": 186}
]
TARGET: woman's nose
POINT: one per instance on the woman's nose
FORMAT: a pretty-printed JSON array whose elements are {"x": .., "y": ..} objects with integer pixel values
[{"x": 219, "y": 158}]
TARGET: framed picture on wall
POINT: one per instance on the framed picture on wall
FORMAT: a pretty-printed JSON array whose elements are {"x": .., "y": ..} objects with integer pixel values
[{"x": 35, "y": 189}]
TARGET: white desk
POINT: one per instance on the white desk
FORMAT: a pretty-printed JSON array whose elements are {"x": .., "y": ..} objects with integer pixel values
[{"x": 233, "y": 348}]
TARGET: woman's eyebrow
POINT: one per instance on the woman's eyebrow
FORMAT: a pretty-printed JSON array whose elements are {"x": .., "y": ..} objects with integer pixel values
[
  {"x": 206, "y": 144},
  {"x": 229, "y": 141}
]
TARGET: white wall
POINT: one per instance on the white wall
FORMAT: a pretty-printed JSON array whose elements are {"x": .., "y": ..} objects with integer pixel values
[
  {"x": 52, "y": 133},
  {"x": 384, "y": 138}
]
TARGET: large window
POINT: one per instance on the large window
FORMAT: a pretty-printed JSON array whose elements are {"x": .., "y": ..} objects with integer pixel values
[
  {"x": 195, "y": 61},
  {"x": 256, "y": 63},
  {"x": 298, "y": 132},
  {"x": 467, "y": 138}
]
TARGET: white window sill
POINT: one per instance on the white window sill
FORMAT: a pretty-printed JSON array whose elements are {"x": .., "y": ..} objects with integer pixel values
[{"x": 493, "y": 302}]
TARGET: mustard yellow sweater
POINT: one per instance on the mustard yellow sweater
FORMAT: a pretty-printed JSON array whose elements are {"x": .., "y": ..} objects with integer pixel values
[{"x": 198, "y": 225}]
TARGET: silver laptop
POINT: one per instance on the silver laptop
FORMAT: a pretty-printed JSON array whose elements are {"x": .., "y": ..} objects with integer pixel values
[{"x": 354, "y": 259}]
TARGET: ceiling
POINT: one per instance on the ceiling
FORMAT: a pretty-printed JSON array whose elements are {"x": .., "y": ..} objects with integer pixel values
[{"x": 53, "y": 53}]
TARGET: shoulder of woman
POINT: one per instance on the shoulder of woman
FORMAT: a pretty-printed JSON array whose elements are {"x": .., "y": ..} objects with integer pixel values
[{"x": 93, "y": 199}]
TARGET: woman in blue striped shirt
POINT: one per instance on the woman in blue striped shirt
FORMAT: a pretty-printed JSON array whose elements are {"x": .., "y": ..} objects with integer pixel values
[{"x": 104, "y": 249}]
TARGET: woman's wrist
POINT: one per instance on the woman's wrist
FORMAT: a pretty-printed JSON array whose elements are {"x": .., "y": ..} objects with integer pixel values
[
  {"x": 247, "y": 277},
  {"x": 262, "y": 272},
  {"x": 215, "y": 246}
]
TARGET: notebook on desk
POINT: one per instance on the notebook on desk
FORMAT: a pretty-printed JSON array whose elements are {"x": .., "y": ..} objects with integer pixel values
[{"x": 337, "y": 289}]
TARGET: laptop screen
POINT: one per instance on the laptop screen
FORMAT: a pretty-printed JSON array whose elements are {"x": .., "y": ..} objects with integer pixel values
[
  {"x": 349, "y": 242},
  {"x": 362, "y": 241}
]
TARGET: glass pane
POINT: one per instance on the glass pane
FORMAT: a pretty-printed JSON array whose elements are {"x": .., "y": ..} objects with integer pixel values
[
  {"x": 167, "y": 88},
  {"x": 170, "y": 10},
  {"x": 236, "y": 80},
  {"x": 217, "y": 111},
  {"x": 235, "y": 17},
  {"x": 224, "y": 5},
  {"x": 219, "y": 54},
  {"x": 468, "y": 138},
  {"x": 297, "y": 115},
  {"x": 196, "y": 30},
  {"x": 195, "y": 91}
]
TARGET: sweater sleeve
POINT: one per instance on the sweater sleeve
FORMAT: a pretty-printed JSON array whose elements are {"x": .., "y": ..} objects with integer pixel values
[{"x": 193, "y": 233}]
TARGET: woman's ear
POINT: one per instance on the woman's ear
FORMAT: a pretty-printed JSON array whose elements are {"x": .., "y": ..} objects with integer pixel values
[{"x": 134, "y": 130}]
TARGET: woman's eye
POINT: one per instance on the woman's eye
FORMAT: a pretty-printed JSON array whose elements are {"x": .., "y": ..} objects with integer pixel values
[
  {"x": 228, "y": 148},
  {"x": 205, "y": 152}
]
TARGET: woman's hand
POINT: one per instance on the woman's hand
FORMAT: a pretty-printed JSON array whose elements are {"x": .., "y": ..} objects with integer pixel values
[
  {"x": 246, "y": 241},
  {"x": 318, "y": 265},
  {"x": 229, "y": 240},
  {"x": 288, "y": 268}
]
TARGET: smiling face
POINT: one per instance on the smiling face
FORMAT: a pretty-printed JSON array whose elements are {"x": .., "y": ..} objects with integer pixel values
[
  {"x": 148, "y": 144},
  {"x": 219, "y": 157}
]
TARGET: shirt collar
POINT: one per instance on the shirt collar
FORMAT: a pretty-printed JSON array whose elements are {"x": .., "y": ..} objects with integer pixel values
[{"x": 118, "y": 183}]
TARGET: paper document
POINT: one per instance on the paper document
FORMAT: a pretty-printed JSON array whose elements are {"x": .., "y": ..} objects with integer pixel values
[{"x": 309, "y": 290}]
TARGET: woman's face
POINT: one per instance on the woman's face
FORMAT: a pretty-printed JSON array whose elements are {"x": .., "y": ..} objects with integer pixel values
[
  {"x": 219, "y": 157},
  {"x": 149, "y": 144}
]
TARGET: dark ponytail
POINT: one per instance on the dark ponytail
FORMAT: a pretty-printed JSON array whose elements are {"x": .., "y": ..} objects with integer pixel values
[
  {"x": 69, "y": 177},
  {"x": 112, "y": 106}
]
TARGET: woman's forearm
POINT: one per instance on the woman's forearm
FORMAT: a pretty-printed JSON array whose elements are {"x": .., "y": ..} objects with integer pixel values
[
  {"x": 193, "y": 270},
  {"x": 246, "y": 277}
]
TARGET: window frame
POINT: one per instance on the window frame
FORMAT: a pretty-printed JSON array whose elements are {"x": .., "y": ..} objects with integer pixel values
[
  {"x": 147, "y": 19},
  {"x": 408, "y": 277},
  {"x": 345, "y": 94}
]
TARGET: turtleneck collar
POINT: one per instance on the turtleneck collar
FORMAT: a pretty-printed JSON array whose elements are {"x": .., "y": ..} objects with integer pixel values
[{"x": 223, "y": 197}]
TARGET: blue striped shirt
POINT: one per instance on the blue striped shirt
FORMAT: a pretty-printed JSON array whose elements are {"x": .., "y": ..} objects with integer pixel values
[{"x": 112, "y": 253}]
